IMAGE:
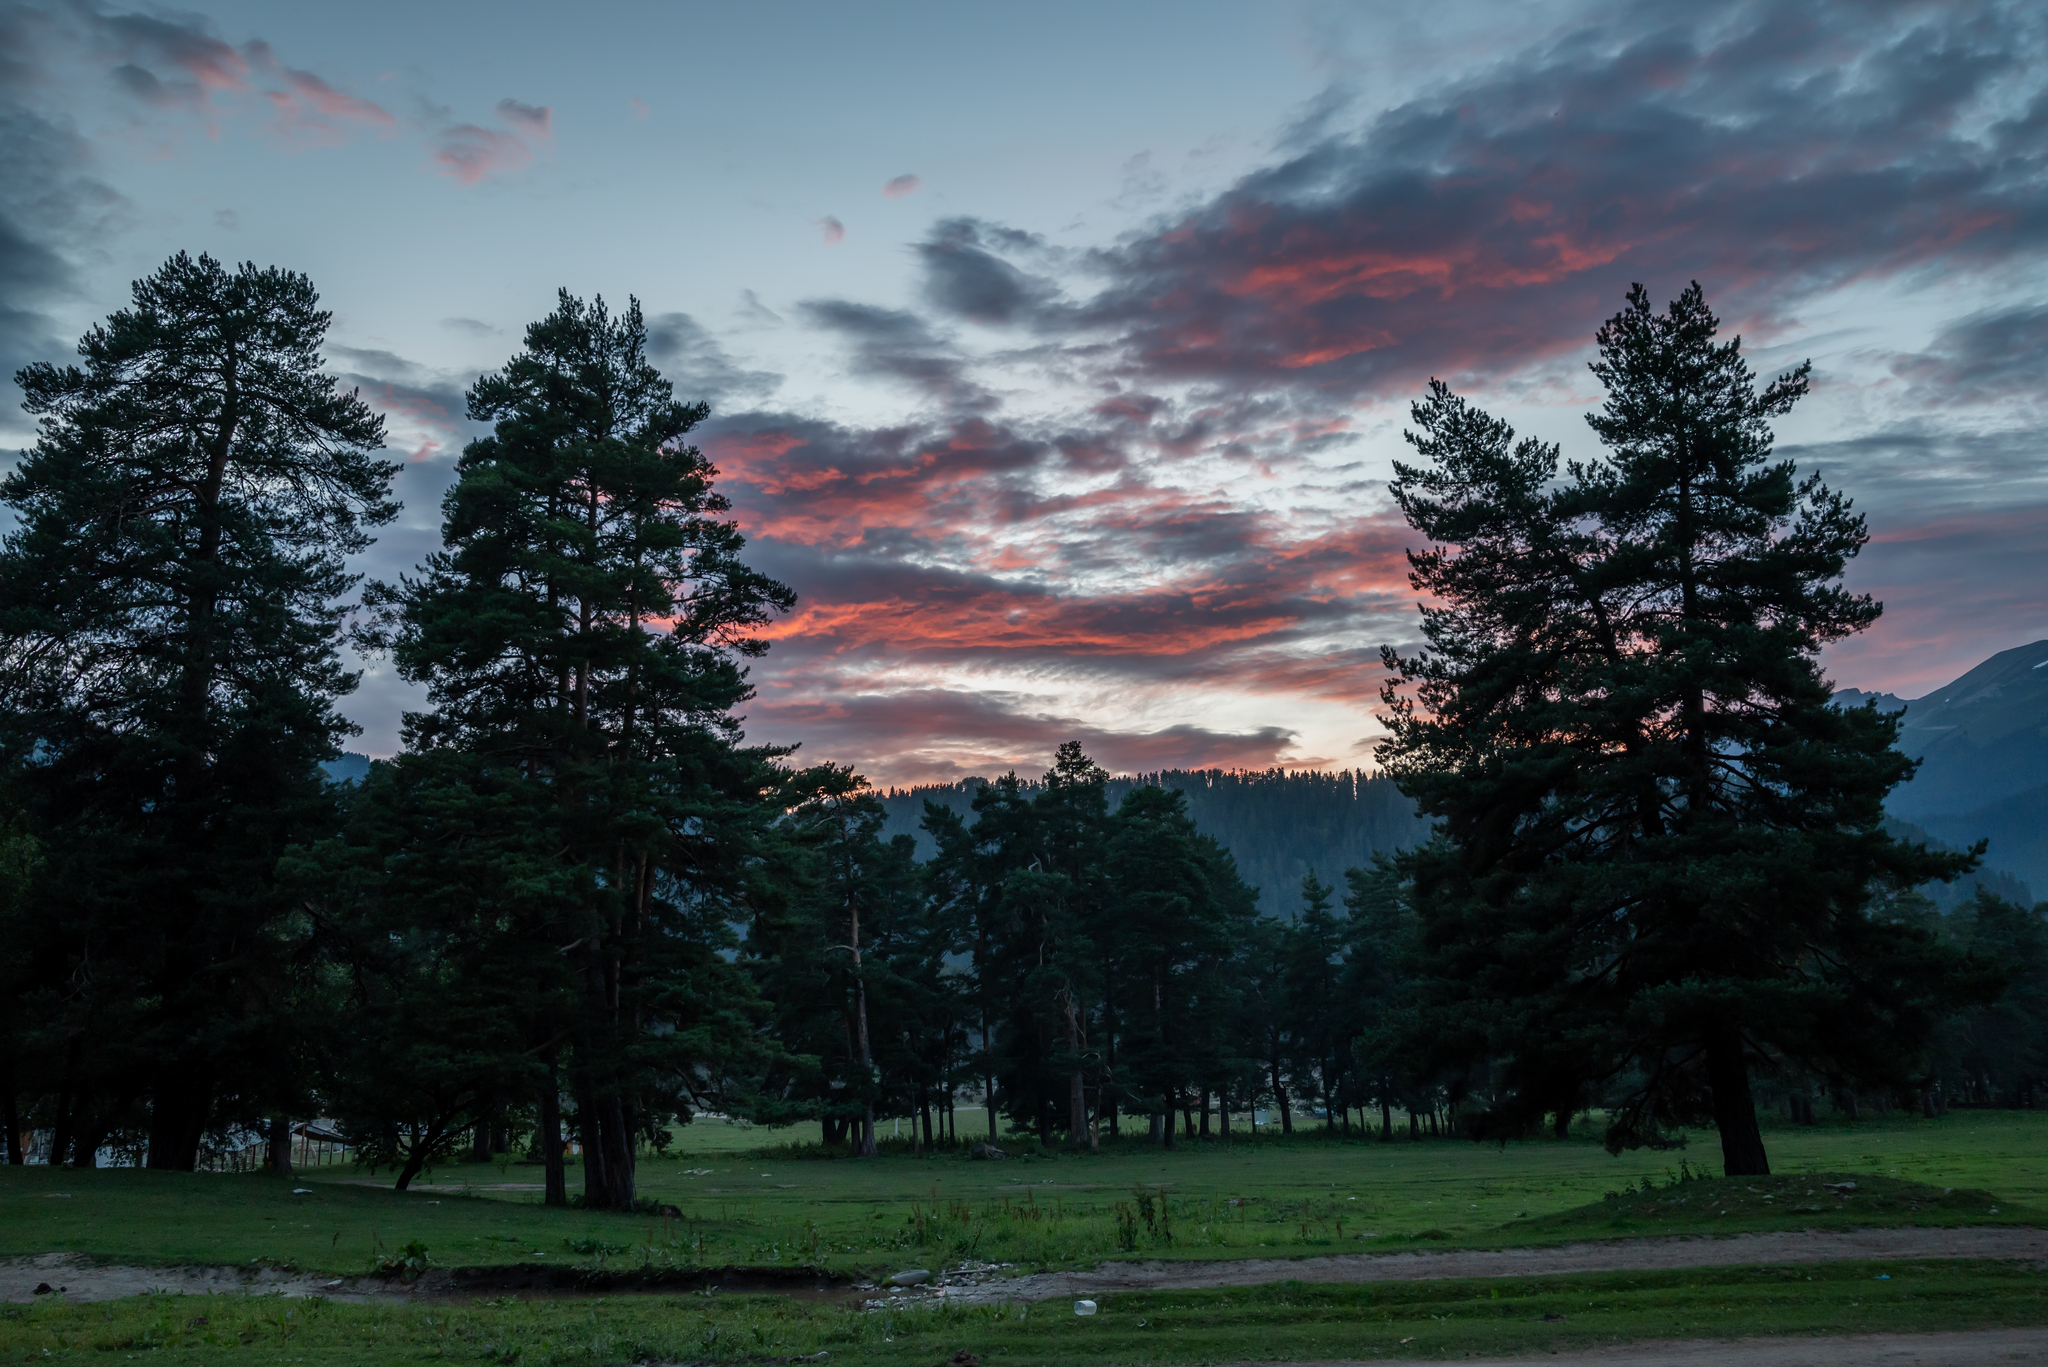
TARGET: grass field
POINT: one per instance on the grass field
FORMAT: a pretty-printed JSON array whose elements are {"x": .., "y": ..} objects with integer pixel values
[
  {"x": 1421, "y": 1320},
  {"x": 743, "y": 1202}
]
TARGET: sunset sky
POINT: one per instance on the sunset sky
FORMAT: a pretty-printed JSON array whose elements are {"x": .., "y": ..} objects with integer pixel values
[{"x": 1059, "y": 354}]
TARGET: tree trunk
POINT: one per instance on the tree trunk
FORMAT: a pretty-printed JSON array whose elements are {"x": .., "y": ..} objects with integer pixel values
[
  {"x": 557, "y": 1178},
  {"x": 177, "y": 1122},
  {"x": 1386, "y": 1121},
  {"x": 1742, "y": 1143},
  {"x": 867, "y": 1058},
  {"x": 1562, "y": 1127},
  {"x": 88, "y": 1129},
  {"x": 61, "y": 1126},
  {"x": 1077, "y": 1093},
  {"x": 279, "y": 1158},
  {"x": 1223, "y": 1116},
  {"x": 415, "y": 1159},
  {"x": 616, "y": 1131},
  {"x": 480, "y": 1143},
  {"x": 595, "y": 1192},
  {"x": 11, "y": 1118}
]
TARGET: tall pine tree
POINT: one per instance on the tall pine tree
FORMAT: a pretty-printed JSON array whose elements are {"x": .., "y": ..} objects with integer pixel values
[
  {"x": 1659, "y": 843},
  {"x": 169, "y": 613},
  {"x": 586, "y": 627}
]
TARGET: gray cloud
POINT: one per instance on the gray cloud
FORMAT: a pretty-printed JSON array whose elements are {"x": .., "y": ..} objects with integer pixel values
[
  {"x": 52, "y": 207},
  {"x": 699, "y": 367},
  {"x": 964, "y": 278},
  {"x": 901, "y": 345},
  {"x": 1986, "y": 356}
]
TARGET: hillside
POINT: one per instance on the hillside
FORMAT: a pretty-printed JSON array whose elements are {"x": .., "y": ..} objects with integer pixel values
[
  {"x": 1982, "y": 741},
  {"x": 1278, "y": 824}
]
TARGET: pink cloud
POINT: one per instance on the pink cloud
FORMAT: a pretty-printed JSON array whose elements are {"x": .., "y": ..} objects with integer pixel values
[
  {"x": 901, "y": 186},
  {"x": 312, "y": 113},
  {"x": 470, "y": 154},
  {"x": 638, "y": 106},
  {"x": 833, "y": 231},
  {"x": 336, "y": 104}
]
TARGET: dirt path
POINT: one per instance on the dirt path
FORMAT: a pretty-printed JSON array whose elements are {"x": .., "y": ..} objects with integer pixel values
[
  {"x": 78, "y": 1279},
  {"x": 83, "y": 1280},
  {"x": 1620, "y": 1255},
  {"x": 1980, "y": 1348}
]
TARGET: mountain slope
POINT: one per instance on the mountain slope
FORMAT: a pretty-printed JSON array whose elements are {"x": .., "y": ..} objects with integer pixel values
[
  {"x": 1981, "y": 739},
  {"x": 1982, "y": 743},
  {"x": 1277, "y": 825}
]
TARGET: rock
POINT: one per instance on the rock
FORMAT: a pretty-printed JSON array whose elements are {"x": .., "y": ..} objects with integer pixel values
[
  {"x": 986, "y": 1150},
  {"x": 963, "y": 1358},
  {"x": 915, "y": 1276}
]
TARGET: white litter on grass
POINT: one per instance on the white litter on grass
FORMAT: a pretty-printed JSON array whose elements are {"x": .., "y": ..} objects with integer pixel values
[
  {"x": 1084, "y": 1307},
  {"x": 302, "y": 1191}
]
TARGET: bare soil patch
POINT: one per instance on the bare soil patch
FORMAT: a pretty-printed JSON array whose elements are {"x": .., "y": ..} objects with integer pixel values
[
  {"x": 1978, "y": 1348},
  {"x": 1618, "y": 1255},
  {"x": 81, "y": 1279}
]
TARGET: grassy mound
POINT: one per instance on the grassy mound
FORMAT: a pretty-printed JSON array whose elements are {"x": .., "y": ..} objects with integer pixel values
[{"x": 1690, "y": 1204}]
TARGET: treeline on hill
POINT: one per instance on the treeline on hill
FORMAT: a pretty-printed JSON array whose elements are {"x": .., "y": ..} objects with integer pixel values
[
  {"x": 1280, "y": 826},
  {"x": 578, "y": 904}
]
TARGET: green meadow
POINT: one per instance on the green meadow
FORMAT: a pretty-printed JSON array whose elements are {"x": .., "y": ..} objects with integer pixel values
[{"x": 753, "y": 1197}]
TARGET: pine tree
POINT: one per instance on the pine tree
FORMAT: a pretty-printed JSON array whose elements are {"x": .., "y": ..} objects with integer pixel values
[
  {"x": 170, "y": 603},
  {"x": 435, "y": 905},
  {"x": 586, "y": 625},
  {"x": 1181, "y": 912},
  {"x": 1658, "y": 842},
  {"x": 1319, "y": 1014}
]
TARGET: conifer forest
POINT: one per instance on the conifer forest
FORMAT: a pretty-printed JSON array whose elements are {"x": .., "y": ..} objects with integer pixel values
[{"x": 1620, "y": 850}]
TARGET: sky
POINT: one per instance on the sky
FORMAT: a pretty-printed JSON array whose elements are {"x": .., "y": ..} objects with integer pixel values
[{"x": 1059, "y": 355}]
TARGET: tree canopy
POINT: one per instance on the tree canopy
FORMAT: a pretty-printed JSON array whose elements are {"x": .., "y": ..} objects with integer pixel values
[
  {"x": 580, "y": 908},
  {"x": 170, "y": 604},
  {"x": 1660, "y": 860}
]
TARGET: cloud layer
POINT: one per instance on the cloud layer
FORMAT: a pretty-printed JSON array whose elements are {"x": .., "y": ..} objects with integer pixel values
[
  {"x": 1135, "y": 474},
  {"x": 1129, "y": 487}
]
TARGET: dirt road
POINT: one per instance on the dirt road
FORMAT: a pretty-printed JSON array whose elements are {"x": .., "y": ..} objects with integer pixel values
[
  {"x": 1620, "y": 1255},
  {"x": 81, "y": 1280},
  {"x": 2004, "y": 1347}
]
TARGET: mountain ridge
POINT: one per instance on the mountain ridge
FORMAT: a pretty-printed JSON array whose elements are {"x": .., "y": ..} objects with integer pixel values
[{"x": 1982, "y": 743}]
